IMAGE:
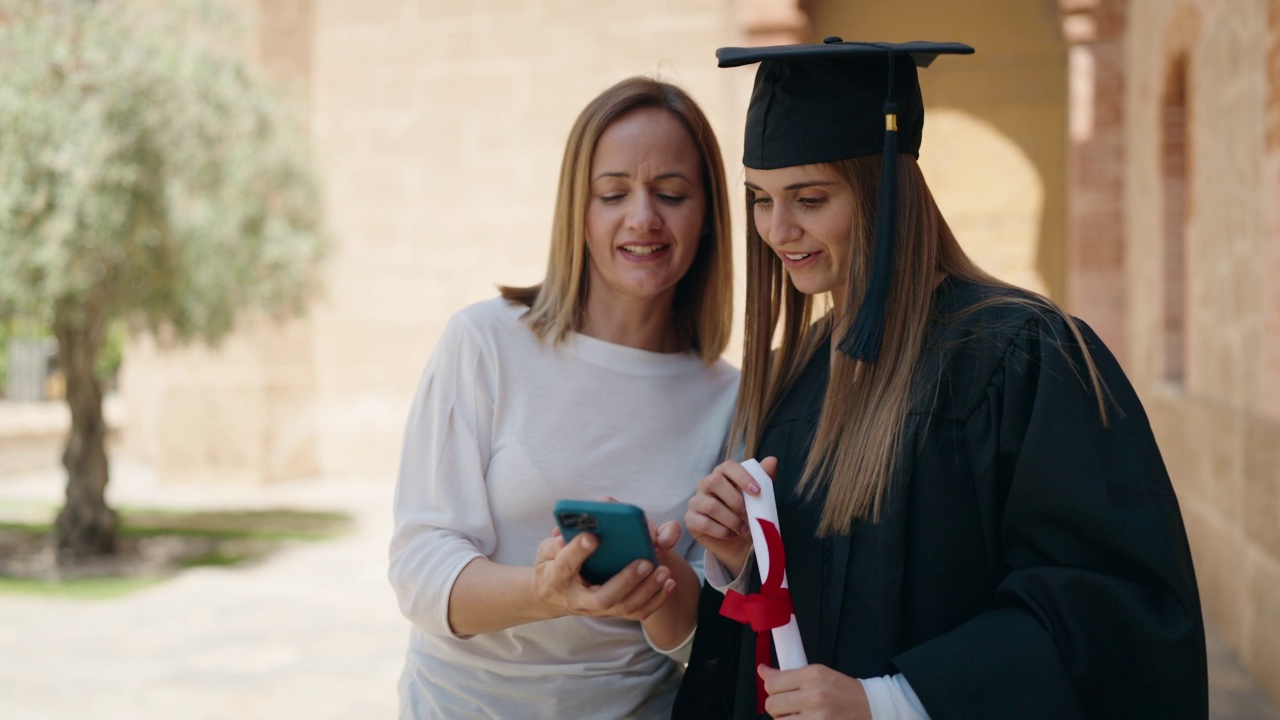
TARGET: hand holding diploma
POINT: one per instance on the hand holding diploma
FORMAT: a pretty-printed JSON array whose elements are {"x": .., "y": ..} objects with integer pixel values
[
  {"x": 733, "y": 512},
  {"x": 762, "y": 514},
  {"x": 717, "y": 516}
]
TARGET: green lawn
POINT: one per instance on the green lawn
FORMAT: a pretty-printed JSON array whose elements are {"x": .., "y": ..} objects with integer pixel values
[{"x": 154, "y": 545}]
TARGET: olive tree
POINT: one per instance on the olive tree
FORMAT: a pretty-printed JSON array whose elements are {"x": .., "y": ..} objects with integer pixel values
[{"x": 148, "y": 174}]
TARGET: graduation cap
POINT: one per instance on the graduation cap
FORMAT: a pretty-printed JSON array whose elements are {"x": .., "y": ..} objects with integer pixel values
[{"x": 834, "y": 101}]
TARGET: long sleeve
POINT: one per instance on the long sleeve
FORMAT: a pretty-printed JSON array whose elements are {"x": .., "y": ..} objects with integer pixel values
[
  {"x": 891, "y": 698},
  {"x": 692, "y": 553},
  {"x": 1096, "y": 611},
  {"x": 442, "y": 515}
]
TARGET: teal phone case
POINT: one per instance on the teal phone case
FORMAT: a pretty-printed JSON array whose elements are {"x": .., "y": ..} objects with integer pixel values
[{"x": 620, "y": 529}]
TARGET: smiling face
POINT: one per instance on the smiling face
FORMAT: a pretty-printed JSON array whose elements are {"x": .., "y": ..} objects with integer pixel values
[
  {"x": 805, "y": 214},
  {"x": 646, "y": 210}
]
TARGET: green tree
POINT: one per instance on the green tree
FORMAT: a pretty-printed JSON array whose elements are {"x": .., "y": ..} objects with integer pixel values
[{"x": 147, "y": 173}]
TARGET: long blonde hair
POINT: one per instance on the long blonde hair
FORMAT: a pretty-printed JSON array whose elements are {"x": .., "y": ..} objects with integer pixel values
[
  {"x": 859, "y": 434},
  {"x": 702, "y": 310}
]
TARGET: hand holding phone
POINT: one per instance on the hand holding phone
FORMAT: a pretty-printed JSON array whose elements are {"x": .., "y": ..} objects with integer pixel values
[{"x": 621, "y": 532}]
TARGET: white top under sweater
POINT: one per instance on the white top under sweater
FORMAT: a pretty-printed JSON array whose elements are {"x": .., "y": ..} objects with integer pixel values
[{"x": 501, "y": 427}]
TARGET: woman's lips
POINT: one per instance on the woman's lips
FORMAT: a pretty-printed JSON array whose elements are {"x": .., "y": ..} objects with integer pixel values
[
  {"x": 798, "y": 260},
  {"x": 644, "y": 253}
]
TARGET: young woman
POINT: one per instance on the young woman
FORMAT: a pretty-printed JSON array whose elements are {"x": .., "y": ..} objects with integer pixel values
[
  {"x": 602, "y": 381},
  {"x": 976, "y": 518}
]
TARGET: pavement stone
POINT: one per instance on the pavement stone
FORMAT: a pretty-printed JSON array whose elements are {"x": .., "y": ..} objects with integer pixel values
[{"x": 311, "y": 632}]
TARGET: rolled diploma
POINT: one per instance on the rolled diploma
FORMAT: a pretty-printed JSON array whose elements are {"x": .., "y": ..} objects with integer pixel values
[{"x": 786, "y": 639}]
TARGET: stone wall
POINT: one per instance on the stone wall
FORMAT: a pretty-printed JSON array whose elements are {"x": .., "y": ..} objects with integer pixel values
[
  {"x": 244, "y": 412},
  {"x": 1095, "y": 248},
  {"x": 1216, "y": 418},
  {"x": 993, "y": 149},
  {"x": 440, "y": 126}
]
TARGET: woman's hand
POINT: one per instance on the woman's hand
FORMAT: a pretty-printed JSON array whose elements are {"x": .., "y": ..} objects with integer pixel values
[
  {"x": 635, "y": 593},
  {"x": 814, "y": 692},
  {"x": 717, "y": 516},
  {"x": 664, "y": 537}
]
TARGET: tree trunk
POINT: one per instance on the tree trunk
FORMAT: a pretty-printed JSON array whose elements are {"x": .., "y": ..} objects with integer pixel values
[{"x": 85, "y": 526}]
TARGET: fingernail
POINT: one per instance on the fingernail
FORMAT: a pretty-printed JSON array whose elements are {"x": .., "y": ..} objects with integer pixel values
[
  {"x": 753, "y": 488},
  {"x": 643, "y": 568},
  {"x": 588, "y": 542}
]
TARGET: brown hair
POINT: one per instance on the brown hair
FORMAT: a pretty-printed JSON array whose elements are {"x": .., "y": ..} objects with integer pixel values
[
  {"x": 859, "y": 433},
  {"x": 702, "y": 310}
]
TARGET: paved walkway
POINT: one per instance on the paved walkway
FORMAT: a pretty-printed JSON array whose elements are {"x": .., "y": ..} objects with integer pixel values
[{"x": 313, "y": 632}]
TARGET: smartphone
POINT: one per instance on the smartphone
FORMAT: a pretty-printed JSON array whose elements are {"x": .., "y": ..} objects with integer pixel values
[{"x": 620, "y": 530}]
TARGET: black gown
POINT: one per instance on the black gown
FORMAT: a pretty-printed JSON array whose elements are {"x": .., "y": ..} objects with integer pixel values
[{"x": 1029, "y": 562}]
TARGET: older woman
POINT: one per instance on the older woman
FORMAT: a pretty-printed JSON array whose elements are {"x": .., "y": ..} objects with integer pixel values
[{"x": 603, "y": 380}]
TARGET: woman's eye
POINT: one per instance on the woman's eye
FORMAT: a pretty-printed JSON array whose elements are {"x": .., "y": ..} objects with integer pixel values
[
  {"x": 761, "y": 202},
  {"x": 671, "y": 199},
  {"x": 611, "y": 198},
  {"x": 812, "y": 202}
]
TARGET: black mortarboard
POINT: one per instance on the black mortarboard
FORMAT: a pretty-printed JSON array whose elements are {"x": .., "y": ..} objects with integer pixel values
[{"x": 834, "y": 101}]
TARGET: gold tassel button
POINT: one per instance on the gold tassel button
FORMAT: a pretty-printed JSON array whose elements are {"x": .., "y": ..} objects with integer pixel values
[{"x": 891, "y": 123}]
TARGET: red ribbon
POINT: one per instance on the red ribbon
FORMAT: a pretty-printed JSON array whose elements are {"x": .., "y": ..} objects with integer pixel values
[{"x": 763, "y": 611}]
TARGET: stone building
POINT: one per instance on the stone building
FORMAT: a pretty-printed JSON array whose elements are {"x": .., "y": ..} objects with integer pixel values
[{"x": 1127, "y": 157}]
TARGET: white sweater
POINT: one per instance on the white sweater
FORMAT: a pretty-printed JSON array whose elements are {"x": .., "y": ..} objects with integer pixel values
[{"x": 501, "y": 427}]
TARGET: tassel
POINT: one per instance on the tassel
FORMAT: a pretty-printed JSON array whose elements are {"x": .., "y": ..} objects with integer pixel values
[{"x": 865, "y": 336}]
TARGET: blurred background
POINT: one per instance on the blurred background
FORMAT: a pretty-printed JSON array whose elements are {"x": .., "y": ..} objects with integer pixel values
[{"x": 1121, "y": 156}]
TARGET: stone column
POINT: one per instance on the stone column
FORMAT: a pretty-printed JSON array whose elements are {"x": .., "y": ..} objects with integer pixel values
[{"x": 1094, "y": 31}]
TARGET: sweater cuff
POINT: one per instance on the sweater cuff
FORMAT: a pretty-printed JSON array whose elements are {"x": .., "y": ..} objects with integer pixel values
[
  {"x": 443, "y": 617},
  {"x": 679, "y": 653},
  {"x": 718, "y": 576}
]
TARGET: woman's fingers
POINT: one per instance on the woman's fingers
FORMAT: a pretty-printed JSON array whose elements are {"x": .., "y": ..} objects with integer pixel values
[
  {"x": 646, "y": 592},
  {"x": 717, "y": 509},
  {"x": 770, "y": 466},
  {"x": 573, "y": 554},
  {"x": 636, "y": 592},
  {"x": 709, "y": 517},
  {"x": 738, "y": 475},
  {"x": 665, "y": 536},
  {"x": 719, "y": 500},
  {"x": 655, "y": 602},
  {"x": 549, "y": 547},
  {"x": 556, "y": 568},
  {"x": 814, "y": 691}
]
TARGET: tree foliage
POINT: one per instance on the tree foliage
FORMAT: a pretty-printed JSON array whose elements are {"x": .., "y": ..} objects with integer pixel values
[
  {"x": 147, "y": 173},
  {"x": 146, "y": 167}
]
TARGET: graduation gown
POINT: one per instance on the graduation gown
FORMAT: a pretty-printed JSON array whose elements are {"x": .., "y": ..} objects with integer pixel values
[{"x": 1030, "y": 562}]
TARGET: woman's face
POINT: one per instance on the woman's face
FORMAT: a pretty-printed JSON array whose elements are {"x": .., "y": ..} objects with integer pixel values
[
  {"x": 805, "y": 214},
  {"x": 647, "y": 208}
]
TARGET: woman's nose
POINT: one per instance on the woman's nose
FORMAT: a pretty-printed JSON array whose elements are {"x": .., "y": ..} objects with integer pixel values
[
  {"x": 643, "y": 215},
  {"x": 782, "y": 227}
]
